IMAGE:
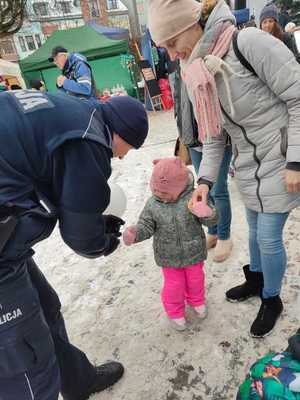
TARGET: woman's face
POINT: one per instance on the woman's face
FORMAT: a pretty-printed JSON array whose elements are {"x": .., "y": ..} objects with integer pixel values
[
  {"x": 182, "y": 45},
  {"x": 268, "y": 25}
]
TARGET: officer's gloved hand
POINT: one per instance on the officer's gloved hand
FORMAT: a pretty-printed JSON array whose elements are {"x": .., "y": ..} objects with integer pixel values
[
  {"x": 113, "y": 243},
  {"x": 113, "y": 224}
]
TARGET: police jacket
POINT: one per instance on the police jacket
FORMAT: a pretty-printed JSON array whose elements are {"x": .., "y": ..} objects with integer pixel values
[
  {"x": 80, "y": 81},
  {"x": 55, "y": 154}
]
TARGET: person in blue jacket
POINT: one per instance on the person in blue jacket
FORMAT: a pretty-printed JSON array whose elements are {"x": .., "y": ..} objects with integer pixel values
[
  {"x": 55, "y": 160},
  {"x": 77, "y": 77}
]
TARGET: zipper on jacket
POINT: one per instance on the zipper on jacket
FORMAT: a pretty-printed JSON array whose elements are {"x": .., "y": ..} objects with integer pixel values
[
  {"x": 178, "y": 233},
  {"x": 254, "y": 155},
  {"x": 236, "y": 154}
]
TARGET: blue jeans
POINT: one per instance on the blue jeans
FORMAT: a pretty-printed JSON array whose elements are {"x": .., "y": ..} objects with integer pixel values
[
  {"x": 219, "y": 194},
  {"x": 266, "y": 247}
]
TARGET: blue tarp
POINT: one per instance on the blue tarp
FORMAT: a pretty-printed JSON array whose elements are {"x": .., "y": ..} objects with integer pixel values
[
  {"x": 110, "y": 32},
  {"x": 146, "y": 48},
  {"x": 241, "y": 16},
  {"x": 147, "y": 54}
]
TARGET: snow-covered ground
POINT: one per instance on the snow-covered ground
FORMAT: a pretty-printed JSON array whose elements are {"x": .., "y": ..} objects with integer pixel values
[{"x": 113, "y": 311}]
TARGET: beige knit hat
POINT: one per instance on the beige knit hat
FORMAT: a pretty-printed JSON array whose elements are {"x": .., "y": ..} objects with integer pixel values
[{"x": 169, "y": 18}]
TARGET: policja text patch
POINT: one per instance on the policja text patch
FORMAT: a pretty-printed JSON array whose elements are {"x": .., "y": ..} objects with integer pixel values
[{"x": 30, "y": 100}]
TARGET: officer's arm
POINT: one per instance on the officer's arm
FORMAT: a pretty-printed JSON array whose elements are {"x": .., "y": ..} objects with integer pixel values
[
  {"x": 83, "y": 83},
  {"x": 83, "y": 195}
]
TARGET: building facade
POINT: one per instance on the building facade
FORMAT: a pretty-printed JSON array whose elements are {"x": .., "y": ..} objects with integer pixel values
[
  {"x": 29, "y": 38},
  {"x": 53, "y": 15},
  {"x": 8, "y": 50},
  {"x": 94, "y": 10},
  {"x": 117, "y": 14}
]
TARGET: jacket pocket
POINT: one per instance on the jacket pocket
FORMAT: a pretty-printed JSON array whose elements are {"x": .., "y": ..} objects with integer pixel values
[{"x": 284, "y": 141}]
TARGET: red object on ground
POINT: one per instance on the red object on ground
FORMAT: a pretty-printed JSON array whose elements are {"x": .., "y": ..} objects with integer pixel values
[{"x": 166, "y": 94}]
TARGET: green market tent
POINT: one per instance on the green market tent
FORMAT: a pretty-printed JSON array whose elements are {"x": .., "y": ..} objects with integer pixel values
[{"x": 103, "y": 54}]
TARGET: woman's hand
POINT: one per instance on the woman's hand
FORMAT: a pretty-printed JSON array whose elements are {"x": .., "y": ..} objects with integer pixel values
[
  {"x": 199, "y": 194},
  {"x": 292, "y": 180}
]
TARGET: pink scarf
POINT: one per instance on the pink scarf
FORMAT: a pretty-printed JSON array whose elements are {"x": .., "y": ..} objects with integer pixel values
[{"x": 202, "y": 86}]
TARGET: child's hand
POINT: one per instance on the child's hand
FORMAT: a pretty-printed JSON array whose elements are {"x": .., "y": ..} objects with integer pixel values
[
  {"x": 201, "y": 210},
  {"x": 129, "y": 235}
]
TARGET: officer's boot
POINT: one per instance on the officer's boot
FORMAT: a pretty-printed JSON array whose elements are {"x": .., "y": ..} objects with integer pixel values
[
  {"x": 251, "y": 287},
  {"x": 106, "y": 375}
]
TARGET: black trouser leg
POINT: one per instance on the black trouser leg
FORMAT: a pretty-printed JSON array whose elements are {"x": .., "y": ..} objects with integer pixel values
[
  {"x": 28, "y": 365},
  {"x": 77, "y": 373}
]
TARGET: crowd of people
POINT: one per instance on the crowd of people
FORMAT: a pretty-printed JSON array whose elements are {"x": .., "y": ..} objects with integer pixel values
[{"x": 237, "y": 99}]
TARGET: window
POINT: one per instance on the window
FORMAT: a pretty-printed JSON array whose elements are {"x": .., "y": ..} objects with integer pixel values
[
  {"x": 40, "y": 9},
  {"x": 38, "y": 40},
  {"x": 22, "y": 43},
  {"x": 94, "y": 8},
  {"x": 112, "y": 4},
  {"x": 7, "y": 47},
  {"x": 30, "y": 42},
  {"x": 65, "y": 7}
]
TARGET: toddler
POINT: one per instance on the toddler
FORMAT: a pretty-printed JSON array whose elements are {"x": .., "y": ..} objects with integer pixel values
[{"x": 178, "y": 238}]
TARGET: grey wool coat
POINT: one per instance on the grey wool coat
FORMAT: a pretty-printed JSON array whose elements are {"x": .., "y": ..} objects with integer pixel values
[
  {"x": 178, "y": 236},
  {"x": 265, "y": 124}
]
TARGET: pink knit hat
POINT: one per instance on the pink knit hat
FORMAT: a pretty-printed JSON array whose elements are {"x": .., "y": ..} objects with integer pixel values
[
  {"x": 170, "y": 175},
  {"x": 169, "y": 18}
]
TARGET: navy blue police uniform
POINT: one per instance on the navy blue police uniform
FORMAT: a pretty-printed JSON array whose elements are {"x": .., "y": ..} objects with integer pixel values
[{"x": 55, "y": 154}]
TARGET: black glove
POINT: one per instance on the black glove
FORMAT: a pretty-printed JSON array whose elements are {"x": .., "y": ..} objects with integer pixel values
[
  {"x": 113, "y": 224},
  {"x": 113, "y": 243}
]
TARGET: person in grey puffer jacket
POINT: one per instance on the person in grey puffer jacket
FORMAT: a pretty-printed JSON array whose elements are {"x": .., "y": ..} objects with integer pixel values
[
  {"x": 218, "y": 236},
  {"x": 178, "y": 238},
  {"x": 261, "y": 114}
]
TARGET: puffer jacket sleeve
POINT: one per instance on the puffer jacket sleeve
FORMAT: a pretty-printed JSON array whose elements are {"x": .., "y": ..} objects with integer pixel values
[
  {"x": 276, "y": 65},
  {"x": 146, "y": 225},
  {"x": 212, "y": 156}
]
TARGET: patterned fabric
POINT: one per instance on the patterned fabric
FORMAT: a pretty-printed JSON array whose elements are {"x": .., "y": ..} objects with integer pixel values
[{"x": 273, "y": 377}]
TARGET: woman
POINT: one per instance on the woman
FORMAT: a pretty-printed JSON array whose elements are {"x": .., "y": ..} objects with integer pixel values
[
  {"x": 218, "y": 236},
  {"x": 261, "y": 115},
  {"x": 269, "y": 22}
]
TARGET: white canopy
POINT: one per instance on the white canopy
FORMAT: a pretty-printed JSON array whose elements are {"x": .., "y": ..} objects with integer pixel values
[{"x": 11, "y": 69}]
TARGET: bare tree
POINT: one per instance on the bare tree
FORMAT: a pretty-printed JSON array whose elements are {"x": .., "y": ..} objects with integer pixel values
[{"x": 11, "y": 16}]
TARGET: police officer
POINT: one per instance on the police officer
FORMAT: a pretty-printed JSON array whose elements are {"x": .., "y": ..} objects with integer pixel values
[
  {"x": 77, "y": 78},
  {"x": 55, "y": 160}
]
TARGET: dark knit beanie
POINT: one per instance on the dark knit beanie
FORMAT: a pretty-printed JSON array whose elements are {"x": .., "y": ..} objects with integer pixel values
[
  {"x": 269, "y": 11},
  {"x": 127, "y": 117}
]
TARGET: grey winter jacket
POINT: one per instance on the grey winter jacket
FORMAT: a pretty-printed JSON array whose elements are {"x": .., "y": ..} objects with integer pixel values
[
  {"x": 265, "y": 126},
  {"x": 178, "y": 237}
]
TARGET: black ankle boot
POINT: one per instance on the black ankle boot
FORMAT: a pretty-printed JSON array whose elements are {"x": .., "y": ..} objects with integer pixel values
[
  {"x": 106, "y": 375},
  {"x": 252, "y": 287},
  {"x": 267, "y": 316}
]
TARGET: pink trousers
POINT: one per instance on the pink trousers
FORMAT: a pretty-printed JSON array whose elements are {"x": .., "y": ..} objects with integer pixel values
[{"x": 184, "y": 285}]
